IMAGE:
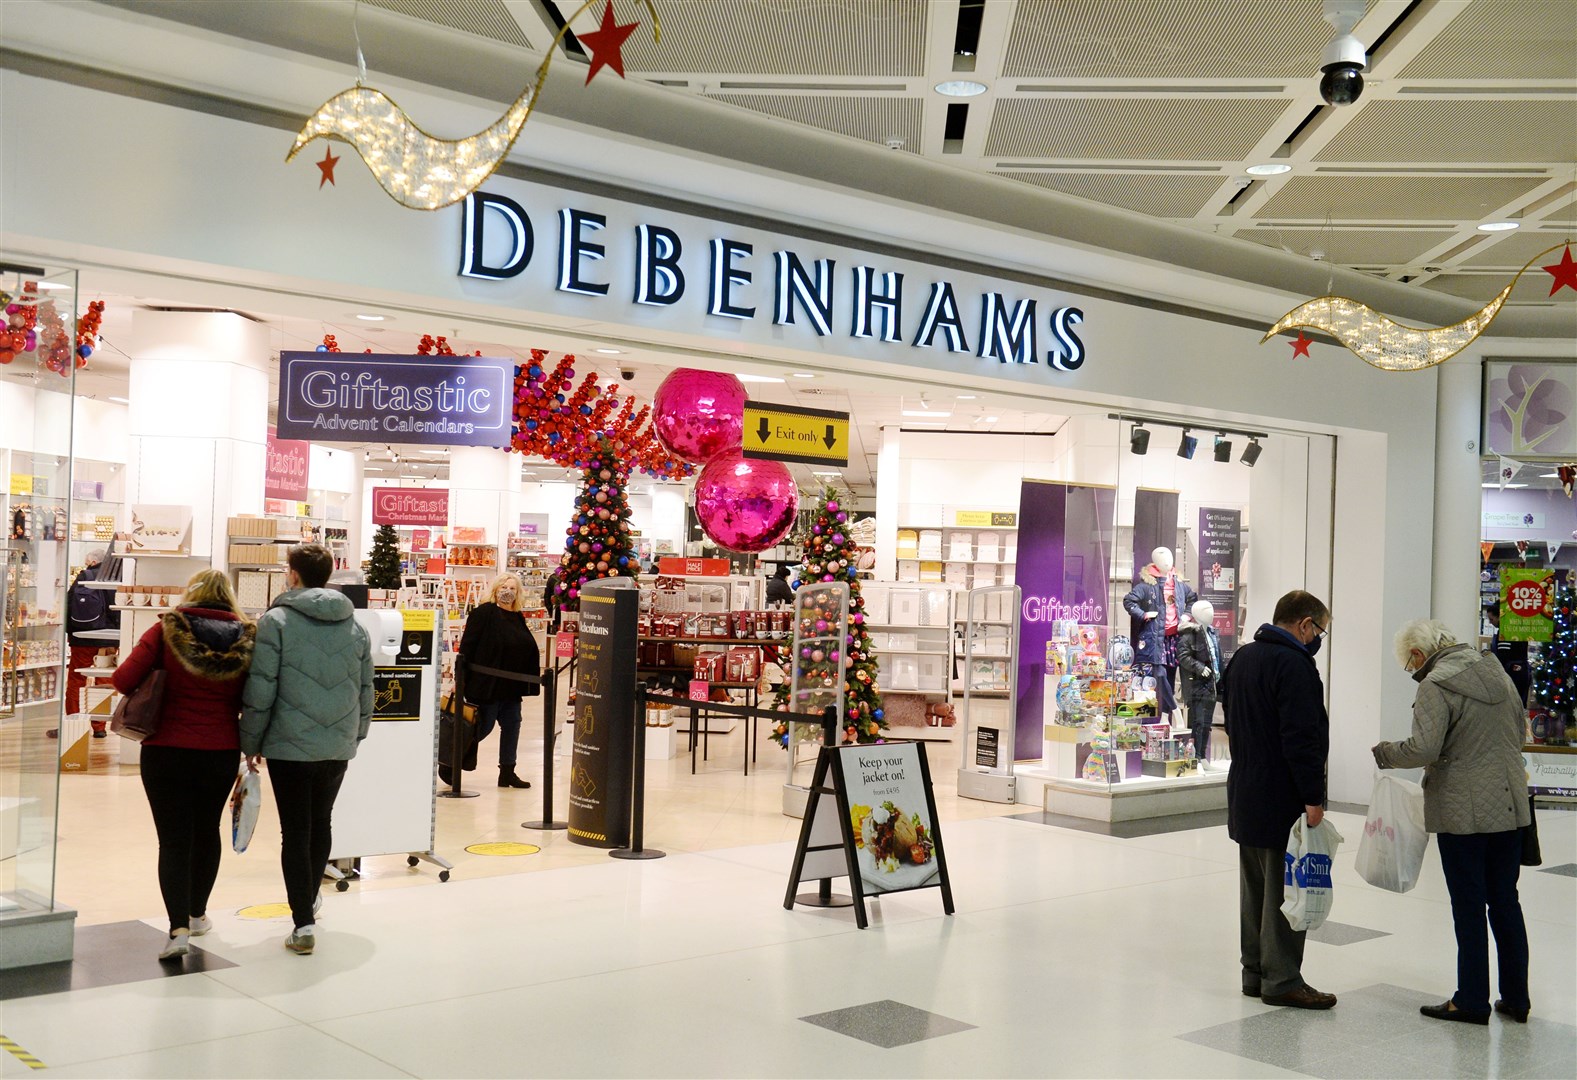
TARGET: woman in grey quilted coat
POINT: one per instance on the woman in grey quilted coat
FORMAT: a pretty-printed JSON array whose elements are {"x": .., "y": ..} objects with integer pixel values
[{"x": 1468, "y": 725}]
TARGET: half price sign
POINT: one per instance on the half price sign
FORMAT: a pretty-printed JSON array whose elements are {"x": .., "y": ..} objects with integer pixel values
[{"x": 1527, "y": 604}]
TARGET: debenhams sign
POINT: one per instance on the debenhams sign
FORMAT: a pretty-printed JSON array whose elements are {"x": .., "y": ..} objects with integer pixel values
[{"x": 685, "y": 278}]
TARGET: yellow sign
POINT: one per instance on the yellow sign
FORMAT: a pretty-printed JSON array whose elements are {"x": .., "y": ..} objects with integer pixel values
[
  {"x": 419, "y": 620},
  {"x": 789, "y": 433},
  {"x": 991, "y": 518}
]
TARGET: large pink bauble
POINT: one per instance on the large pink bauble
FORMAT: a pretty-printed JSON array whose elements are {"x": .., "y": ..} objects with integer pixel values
[
  {"x": 743, "y": 504},
  {"x": 699, "y": 414}
]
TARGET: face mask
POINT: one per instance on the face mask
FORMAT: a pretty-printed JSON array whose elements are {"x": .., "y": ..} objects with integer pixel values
[{"x": 1314, "y": 646}]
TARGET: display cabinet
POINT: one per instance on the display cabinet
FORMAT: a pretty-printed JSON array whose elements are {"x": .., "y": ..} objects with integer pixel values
[
  {"x": 911, "y": 633},
  {"x": 989, "y": 674}
]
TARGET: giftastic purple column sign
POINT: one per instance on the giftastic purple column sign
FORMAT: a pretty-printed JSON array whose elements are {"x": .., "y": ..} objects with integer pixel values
[{"x": 1064, "y": 553}]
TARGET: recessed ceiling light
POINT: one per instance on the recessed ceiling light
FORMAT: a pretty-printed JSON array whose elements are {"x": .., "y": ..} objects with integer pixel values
[
  {"x": 51, "y": 286},
  {"x": 913, "y": 426},
  {"x": 758, "y": 378},
  {"x": 1499, "y": 226},
  {"x": 926, "y": 414},
  {"x": 1270, "y": 168},
  {"x": 967, "y": 397},
  {"x": 1508, "y": 486},
  {"x": 1549, "y": 476},
  {"x": 989, "y": 420},
  {"x": 960, "y": 88},
  {"x": 371, "y": 318},
  {"x": 609, "y": 352},
  {"x": 120, "y": 400},
  {"x": 804, "y": 374},
  {"x": 813, "y": 473}
]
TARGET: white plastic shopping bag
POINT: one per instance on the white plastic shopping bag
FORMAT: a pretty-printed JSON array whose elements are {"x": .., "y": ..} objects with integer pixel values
[
  {"x": 1307, "y": 896},
  {"x": 245, "y": 801},
  {"x": 1391, "y": 853}
]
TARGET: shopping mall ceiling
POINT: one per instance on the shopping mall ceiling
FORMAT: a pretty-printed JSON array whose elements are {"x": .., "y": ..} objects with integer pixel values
[{"x": 1154, "y": 107}]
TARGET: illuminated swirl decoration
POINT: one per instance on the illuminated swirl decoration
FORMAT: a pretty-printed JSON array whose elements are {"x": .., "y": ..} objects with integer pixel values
[
  {"x": 1386, "y": 343},
  {"x": 416, "y": 169}
]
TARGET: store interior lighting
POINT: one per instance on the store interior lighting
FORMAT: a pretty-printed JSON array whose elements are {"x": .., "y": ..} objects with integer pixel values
[
  {"x": 1139, "y": 440},
  {"x": 1139, "y": 437},
  {"x": 1187, "y": 445},
  {"x": 1223, "y": 448},
  {"x": 1251, "y": 453}
]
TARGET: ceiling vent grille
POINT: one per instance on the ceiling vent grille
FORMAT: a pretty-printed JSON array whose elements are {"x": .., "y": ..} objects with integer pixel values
[
  {"x": 1353, "y": 247},
  {"x": 874, "y": 119},
  {"x": 1513, "y": 252},
  {"x": 1160, "y": 195},
  {"x": 1399, "y": 198},
  {"x": 1458, "y": 130},
  {"x": 1165, "y": 129},
  {"x": 484, "y": 18},
  {"x": 1502, "y": 39}
]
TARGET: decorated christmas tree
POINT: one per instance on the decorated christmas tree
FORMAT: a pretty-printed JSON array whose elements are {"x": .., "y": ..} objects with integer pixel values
[
  {"x": 830, "y": 556},
  {"x": 1555, "y": 677},
  {"x": 383, "y": 564},
  {"x": 597, "y": 543}
]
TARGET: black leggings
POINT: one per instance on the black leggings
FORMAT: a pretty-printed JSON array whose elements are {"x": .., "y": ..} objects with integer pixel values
[
  {"x": 304, "y": 791},
  {"x": 187, "y": 790}
]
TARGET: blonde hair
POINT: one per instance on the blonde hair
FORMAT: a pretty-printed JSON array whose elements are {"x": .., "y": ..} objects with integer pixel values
[
  {"x": 1428, "y": 636},
  {"x": 211, "y": 589},
  {"x": 520, "y": 592}
]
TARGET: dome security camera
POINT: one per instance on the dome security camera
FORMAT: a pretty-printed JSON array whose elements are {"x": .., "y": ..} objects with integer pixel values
[
  {"x": 1342, "y": 66},
  {"x": 627, "y": 374}
]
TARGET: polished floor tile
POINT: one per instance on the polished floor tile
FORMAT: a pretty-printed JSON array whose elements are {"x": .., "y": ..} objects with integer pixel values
[
  {"x": 105, "y": 955},
  {"x": 1337, "y": 933},
  {"x": 887, "y": 1023},
  {"x": 1564, "y": 870},
  {"x": 1204, "y": 819}
]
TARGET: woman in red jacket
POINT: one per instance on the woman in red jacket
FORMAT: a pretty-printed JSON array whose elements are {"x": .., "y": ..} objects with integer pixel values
[{"x": 190, "y": 764}]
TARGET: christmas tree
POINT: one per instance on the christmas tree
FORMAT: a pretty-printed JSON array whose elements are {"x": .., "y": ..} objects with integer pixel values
[
  {"x": 598, "y": 542},
  {"x": 830, "y": 556},
  {"x": 1553, "y": 678},
  {"x": 383, "y": 565}
]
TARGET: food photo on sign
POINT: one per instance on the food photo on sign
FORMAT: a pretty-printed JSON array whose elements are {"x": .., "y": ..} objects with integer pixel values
[{"x": 890, "y": 816}]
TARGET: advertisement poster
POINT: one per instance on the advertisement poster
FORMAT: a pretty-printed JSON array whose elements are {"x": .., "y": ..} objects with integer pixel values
[
  {"x": 890, "y": 812},
  {"x": 360, "y": 397},
  {"x": 1064, "y": 559},
  {"x": 410, "y": 506},
  {"x": 396, "y": 693},
  {"x": 1552, "y": 774},
  {"x": 1220, "y": 549},
  {"x": 1526, "y": 604},
  {"x": 602, "y": 757},
  {"x": 416, "y": 636},
  {"x": 285, "y": 466}
]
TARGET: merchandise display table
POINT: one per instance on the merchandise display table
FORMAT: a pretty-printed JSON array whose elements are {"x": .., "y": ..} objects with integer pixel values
[{"x": 1127, "y": 800}]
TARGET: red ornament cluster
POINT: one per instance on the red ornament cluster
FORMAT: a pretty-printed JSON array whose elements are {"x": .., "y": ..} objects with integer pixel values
[
  {"x": 30, "y": 321},
  {"x": 20, "y": 334},
  {"x": 597, "y": 543},
  {"x": 569, "y": 424},
  {"x": 437, "y": 346}
]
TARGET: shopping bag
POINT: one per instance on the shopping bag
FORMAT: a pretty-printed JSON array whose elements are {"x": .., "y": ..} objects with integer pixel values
[
  {"x": 1391, "y": 853},
  {"x": 1307, "y": 892},
  {"x": 246, "y": 798}
]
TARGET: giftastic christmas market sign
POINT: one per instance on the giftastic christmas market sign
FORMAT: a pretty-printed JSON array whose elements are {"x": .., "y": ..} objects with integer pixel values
[{"x": 583, "y": 256}]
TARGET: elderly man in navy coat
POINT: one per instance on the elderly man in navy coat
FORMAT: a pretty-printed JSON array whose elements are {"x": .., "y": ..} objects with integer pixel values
[{"x": 1280, "y": 736}]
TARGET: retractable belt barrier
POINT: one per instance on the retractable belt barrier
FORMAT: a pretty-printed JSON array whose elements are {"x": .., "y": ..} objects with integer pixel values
[{"x": 548, "y": 682}]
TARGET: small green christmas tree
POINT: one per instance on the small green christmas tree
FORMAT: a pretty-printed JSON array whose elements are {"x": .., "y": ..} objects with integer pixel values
[
  {"x": 1555, "y": 678},
  {"x": 598, "y": 542},
  {"x": 383, "y": 565}
]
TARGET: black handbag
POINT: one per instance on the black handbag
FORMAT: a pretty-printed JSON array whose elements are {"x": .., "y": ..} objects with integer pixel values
[
  {"x": 446, "y": 736},
  {"x": 1531, "y": 856}
]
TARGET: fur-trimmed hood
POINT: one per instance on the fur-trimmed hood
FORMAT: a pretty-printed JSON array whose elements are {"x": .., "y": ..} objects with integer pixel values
[
  {"x": 1150, "y": 574},
  {"x": 210, "y": 643}
]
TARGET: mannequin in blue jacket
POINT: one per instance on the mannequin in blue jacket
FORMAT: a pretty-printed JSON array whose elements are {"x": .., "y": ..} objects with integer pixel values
[{"x": 1156, "y": 604}]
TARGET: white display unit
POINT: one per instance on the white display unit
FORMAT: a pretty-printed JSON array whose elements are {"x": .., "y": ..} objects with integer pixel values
[
  {"x": 990, "y": 677},
  {"x": 911, "y": 631},
  {"x": 967, "y": 548}
]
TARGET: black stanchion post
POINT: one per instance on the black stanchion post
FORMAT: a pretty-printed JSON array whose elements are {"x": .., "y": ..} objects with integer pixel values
[
  {"x": 457, "y": 738},
  {"x": 638, "y": 787},
  {"x": 550, "y": 709}
]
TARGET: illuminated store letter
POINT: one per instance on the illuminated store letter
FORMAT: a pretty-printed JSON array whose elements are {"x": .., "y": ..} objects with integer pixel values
[
  {"x": 573, "y": 247},
  {"x": 472, "y": 261},
  {"x": 793, "y": 282},
  {"x": 871, "y": 306},
  {"x": 658, "y": 279},
  {"x": 1069, "y": 353},
  {"x": 941, "y": 313},
  {"x": 1007, "y": 337},
  {"x": 720, "y": 298}
]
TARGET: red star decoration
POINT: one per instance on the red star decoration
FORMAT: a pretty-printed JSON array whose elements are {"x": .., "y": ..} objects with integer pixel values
[
  {"x": 1564, "y": 272},
  {"x": 326, "y": 166},
  {"x": 605, "y": 43},
  {"x": 1300, "y": 347}
]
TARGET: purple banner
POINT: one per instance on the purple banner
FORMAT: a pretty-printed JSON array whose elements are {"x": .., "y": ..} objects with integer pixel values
[
  {"x": 1154, "y": 525},
  {"x": 358, "y": 398},
  {"x": 1064, "y": 563},
  {"x": 1220, "y": 548}
]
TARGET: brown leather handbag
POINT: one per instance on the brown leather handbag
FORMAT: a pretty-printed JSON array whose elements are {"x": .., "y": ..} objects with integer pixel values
[{"x": 140, "y": 712}]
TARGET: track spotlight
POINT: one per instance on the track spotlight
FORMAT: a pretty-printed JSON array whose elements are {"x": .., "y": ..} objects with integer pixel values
[
  {"x": 1187, "y": 445},
  {"x": 1139, "y": 439},
  {"x": 1251, "y": 453},
  {"x": 1223, "y": 448}
]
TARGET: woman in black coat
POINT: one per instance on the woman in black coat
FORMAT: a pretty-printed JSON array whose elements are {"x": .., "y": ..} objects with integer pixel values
[{"x": 496, "y": 636}]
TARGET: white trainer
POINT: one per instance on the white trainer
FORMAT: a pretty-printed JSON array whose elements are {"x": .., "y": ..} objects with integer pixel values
[
  {"x": 200, "y": 925},
  {"x": 178, "y": 946},
  {"x": 301, "y": 941}
]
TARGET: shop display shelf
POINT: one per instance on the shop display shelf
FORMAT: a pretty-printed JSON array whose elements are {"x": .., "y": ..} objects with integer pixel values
[
  {"x": 38, "y": 666},
  {"x": 157, "y": 555},
  {"x": 715, "y": 640},
  {"x": 908, "y": 652},
  {"x": 258, "y": 565},
  {"x": 936, "y": 690},
  {"x": 37, "y": 625},
  {"x": 985, "y": 622},
  {"x": 99, "y": 635},
  {"x": 142, "y": 607},
  {"x": 94, "y": 672},
  {"x": 261, "y": 540},
  {"x": 102, "y": 584},
  {"x": 41, "y": 701}
]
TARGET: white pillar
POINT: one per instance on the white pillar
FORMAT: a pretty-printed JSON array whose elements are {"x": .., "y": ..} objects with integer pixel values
[
  {"x": 1454, "y": 598},
  {"x": 198, "y": 418},
  {"x": 484, "y": 490}
]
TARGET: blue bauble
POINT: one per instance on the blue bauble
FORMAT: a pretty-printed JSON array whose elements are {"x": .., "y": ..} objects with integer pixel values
[
  {"x": 322, "y": 348},
  {"x": 534, "y": 371},
  {"x": 84, "y": 351},
  {"x": 585, "y": 410},
  {"x": 878, "y": 714},
  {"x": 531, "y": 425}
]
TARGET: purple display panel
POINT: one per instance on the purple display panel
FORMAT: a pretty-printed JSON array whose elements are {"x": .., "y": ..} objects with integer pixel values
[
  {"x": 333, "y": 398},
  {"x": 1220, "y": 548},
  {"x": 1064, "y": 562},
  {"x": 1154, "y": 525}
]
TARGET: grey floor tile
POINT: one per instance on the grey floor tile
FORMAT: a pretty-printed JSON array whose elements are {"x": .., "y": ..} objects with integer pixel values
[
  {"x": 887, "y": 1023},
  {"x": 1564, "y": 870},
  {"x": 1338, "y": 933},
  {"x": 107, "y": 955}
]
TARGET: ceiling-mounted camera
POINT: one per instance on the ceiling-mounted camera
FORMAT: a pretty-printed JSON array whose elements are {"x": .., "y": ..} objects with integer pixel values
[
  {"x": 1342, "y": 66},
  {"x": 627, "y": 374}
]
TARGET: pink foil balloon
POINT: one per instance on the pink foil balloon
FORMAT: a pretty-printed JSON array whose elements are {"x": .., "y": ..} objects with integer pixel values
[
  {"x": 743, "y": 504},
  {"x": 699, "y": 414}
]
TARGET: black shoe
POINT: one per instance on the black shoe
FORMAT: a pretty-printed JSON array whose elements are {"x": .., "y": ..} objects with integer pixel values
[
  {"x": 1519, "y": 1015},
  {"x": 446, "y": 774},
  {"x": 1447, "y": 1010},
  {"x": 52, "y": 733},
  {"x": 507, "y": 778},
  {"x": 1250, "y": 993},
  {"x": 100, "y": 733}
]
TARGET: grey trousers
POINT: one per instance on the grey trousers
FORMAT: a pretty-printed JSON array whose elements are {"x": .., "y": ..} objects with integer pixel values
[{"x": 1272, "y": 949}]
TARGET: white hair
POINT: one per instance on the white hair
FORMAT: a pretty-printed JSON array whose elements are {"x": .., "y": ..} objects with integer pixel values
[{"x": 1428, "y": 636}]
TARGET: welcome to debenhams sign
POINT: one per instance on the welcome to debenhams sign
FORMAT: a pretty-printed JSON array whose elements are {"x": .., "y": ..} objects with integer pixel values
[{"x": 616, "y": 262}]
